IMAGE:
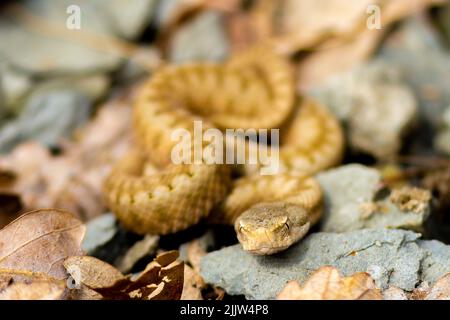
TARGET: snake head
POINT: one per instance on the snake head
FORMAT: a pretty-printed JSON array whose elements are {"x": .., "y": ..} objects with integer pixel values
[{"x": 268, "y": 228}]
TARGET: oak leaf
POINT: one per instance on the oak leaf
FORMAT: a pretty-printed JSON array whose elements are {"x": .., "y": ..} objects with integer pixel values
[
  {"x": 40, "y": 241},
  {"x": 327, "y": 284},
  {"x": 439, "y": 291},
  {"x": 193, "y": 284}
]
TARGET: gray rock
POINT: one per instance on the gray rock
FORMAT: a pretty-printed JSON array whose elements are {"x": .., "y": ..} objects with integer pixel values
[
  {"x": 377, "y": 107},
  {"x": 41, "y": 53},
  {"x": 47, "y": 118},
  {"x": 139, "y": 250},
  {"x": 99, "y": 231},
  {"x": 417, "y": 52},
  {"x": 204, "y": 38},
  {"x": 349, "y": 193},
  {"x": 14, "y": 85},
  {"x": 94, "y": 86},
  {"x": 392, "y": 257},
  {"x": 37, "y": 54},
  {"x": 436, "y": 261}
]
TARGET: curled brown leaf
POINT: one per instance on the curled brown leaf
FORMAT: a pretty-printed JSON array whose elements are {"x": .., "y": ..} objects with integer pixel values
[{"x": 162, "y": 279}]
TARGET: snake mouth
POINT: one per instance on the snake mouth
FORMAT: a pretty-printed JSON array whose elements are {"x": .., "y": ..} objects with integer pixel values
[{"x": 266, "y": 250}]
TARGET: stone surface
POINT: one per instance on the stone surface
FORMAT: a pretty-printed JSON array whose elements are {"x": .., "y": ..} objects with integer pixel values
[
  {"x": 141, "y": 249},
  {"x": 424, "y": 62},
  {"x": 37, "y": 52},
  {"x": 392, "y": 257},
  {"x": 47, "y": 118},
  {"x": 99, "y": 231},
  {"x": 203, "y": 38},
  {"x": 437, "y": 260},
  {"x": 378, "y": 109},
  {"x": 350, "y": 204}
]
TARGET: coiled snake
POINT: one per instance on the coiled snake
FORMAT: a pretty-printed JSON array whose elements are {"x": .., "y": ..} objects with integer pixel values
[{"x": 253, "y": 90}]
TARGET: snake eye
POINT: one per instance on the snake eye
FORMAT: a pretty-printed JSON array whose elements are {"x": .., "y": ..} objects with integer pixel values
[{"x": 287, "y": 225}]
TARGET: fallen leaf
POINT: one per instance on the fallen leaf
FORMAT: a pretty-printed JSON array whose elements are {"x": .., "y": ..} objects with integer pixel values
[
  {"x": 40, "y": 240},
  {"x": 327, "y": 284},
  {"x": 47, "y": 116},
  {"x": 193, "y": 285},
  {"x": 394, "y": 293},
  {"x": 321, "y": 64},
  {"x": 329, "y": 30},
  {"x": 162, "y": 279},
  {"x": 92, "y": 272},
  {"x": 297, "y": 21},
  {"x": 439, "y": 291},
  {"x": 24, "y": 285},
  {"x": 304, "y": 24},
  {"x": 73, "y": 180},
  {"x": 195, "y": 252}
]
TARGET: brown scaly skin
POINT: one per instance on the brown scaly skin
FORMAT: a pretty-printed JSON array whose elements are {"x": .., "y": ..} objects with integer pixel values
[{"x": 256, "y": 90}]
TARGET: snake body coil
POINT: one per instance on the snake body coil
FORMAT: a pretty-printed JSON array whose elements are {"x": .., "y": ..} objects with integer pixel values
[{"x": 253, "y": 90}]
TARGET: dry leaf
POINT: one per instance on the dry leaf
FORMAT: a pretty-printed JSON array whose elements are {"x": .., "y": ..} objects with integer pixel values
[
  {"x": 92, "y": 272},
  {"x": 24, "y": 285},
  {"x": 302, "y": 21},
  {"x": 303, "y": 24},
  {"x": 331, "y": 30},
  {"x": 162, "y": 279},
  {"x": 394, "y": 293},
  {"x": 315, "y": 68},
  {"x": 193, "y": 282},
  {"x": 193, "y": 285},
  {"x": 327, "y": 284},
  {"x": 40, "y": 240},
  {"x": 440, "y": 290},
  {"x": 73, "y": 180},
  {"x": 195, "y": 253}
]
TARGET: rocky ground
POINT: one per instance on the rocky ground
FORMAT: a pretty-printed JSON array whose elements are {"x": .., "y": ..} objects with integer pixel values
[{"x": 65, "y": 106}]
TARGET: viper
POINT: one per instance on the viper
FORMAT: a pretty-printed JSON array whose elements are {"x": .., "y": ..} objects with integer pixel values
[{"x": 254, "y": 89}]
